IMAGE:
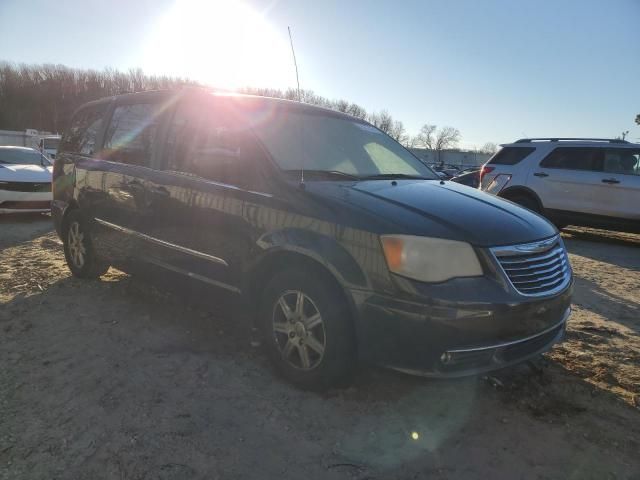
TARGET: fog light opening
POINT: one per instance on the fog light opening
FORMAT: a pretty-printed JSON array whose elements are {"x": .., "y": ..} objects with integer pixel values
[{"x": 445, "y": 358}]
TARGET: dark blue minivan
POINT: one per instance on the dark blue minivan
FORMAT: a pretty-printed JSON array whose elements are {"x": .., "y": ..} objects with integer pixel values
[{"x": 343, "y": 246}]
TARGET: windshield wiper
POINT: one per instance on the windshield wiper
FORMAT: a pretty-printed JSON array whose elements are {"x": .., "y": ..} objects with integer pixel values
[
  {"x": 326, "y": 173},
  {"x": 383, "y": 176}
]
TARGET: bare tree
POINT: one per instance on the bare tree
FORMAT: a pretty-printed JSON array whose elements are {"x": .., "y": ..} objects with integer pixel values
[
  {"x": 357, "y": 111},
  {"x": 447, "y": 137},
  {"x": 398, "y": 132},
  {"x": 44, "y": 96},
  {"x": 437, "y": 140},
  {"x": 426, "y": 138},
  {"x": 382, "y": 120},
  {"x": 489, "y": 148},
  {"x": 341, "y": 106}
]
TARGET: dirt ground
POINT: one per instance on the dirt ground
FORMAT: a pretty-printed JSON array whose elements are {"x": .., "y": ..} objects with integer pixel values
[{"x": 114, "y": 379}]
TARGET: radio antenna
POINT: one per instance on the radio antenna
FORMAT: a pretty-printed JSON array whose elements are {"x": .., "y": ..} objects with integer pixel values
[{"x": 295, "y": 64}]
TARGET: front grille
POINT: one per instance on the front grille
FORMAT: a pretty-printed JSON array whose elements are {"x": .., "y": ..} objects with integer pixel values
[
  {"x": 26, "y": 186},
  {"x": 535, "y": 269}
]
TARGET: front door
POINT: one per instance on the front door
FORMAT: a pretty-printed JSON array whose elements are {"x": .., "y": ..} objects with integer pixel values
[
  {"x": 570, "y": 179},
  {"x": 211, "y": 169},
  {"x": 622, "y": 179}
]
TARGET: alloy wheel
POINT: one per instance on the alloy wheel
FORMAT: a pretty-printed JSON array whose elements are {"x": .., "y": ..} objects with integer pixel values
[
  {"x": 77, "y": 250},
  {"x": 299, "y": 330}
]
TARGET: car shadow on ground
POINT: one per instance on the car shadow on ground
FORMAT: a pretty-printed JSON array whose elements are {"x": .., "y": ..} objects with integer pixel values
[
  {"x": 624, "y": 248},
  {"x": 610, "y": 237},
  {"x": 611, "y": 307},
  {"x": 601, "y": 285},
  {"x": 13, "y": 227},
  {"x": 127, "y": 349}
]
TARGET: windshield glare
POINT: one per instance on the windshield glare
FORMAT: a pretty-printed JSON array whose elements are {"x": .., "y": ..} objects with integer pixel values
[
  {"x": 326, "y": 143},
  {"x": 22, "y": 157}
]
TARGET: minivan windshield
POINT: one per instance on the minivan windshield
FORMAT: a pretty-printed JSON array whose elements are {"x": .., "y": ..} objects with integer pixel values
[
  {"x": 19, "y": 156},
  {"x": 338, "y": 147}
]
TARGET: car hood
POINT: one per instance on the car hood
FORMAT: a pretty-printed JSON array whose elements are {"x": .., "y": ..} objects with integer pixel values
[
  {"x": 440, "y": 209},
  {"x": 25, "y": 173}
]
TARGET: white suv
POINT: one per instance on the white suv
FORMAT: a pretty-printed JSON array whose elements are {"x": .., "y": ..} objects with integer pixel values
[{"x": 578, "y": 181}]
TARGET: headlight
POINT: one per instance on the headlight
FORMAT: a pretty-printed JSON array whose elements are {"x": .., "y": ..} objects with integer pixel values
[{"x": 430, "y": 259}]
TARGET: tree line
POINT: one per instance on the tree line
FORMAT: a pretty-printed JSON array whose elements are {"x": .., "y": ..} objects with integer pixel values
[{"x": 44, "y": 97}]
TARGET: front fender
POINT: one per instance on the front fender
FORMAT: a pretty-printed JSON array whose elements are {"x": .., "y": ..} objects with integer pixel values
[{"x": 324, "y": 249}]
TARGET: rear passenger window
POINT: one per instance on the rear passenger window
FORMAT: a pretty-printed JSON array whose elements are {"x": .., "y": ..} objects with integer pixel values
[
  {"x": 511, "y": 155},
  {"x": 575, "y": 158},
  {"x": 82, "y": 135},
  {"x": 131, "y": 133},
  {"x": 622, "y": 160}
]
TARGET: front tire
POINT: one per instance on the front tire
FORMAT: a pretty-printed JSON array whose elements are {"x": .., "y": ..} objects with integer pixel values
[
  {"x": 78, "y": 248},
  {"x": 307, "y": 330}
]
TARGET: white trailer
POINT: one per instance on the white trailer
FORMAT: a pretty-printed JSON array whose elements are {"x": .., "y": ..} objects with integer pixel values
[{"x": 46, "y": 142}]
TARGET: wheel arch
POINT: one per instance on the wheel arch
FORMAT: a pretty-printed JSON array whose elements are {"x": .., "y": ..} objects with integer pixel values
[
  {"x": 283, "y": 258},
  {"x": 71, "y": 206},
  {"x": 511, "y": 192}
]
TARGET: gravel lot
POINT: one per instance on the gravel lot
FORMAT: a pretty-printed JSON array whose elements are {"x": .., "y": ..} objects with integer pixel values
[{"x": 116, "y": 379}]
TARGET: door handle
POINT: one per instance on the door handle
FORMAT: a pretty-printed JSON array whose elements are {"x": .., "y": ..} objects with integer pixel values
[
  {"x": 610, "y": 180},
  {"x": 540, "y": 174}
]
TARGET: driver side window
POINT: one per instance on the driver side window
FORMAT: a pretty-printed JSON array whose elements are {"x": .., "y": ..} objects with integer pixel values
[{"x": 208, "y": 141}]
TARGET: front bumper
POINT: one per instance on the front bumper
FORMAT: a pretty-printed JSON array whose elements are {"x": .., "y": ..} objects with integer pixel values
[
  {"x": 438, "y": 338},
  {"x": 474, "y": 360},
  {"x": 25, "y": 202}
]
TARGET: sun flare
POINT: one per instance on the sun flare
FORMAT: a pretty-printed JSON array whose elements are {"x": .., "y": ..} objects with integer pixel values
[{"x": 221, "y": 43}]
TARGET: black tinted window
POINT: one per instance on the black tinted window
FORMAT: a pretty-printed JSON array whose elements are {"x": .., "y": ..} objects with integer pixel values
[
  {"x": 511, "y": 155},
  {"x": 209, "y": 141},
  {"x": 131, "y": 133},
  {"x": 575, "y": 158},
  {"x": 622, "y": 160},
  {"x": 82, "y": 135}
]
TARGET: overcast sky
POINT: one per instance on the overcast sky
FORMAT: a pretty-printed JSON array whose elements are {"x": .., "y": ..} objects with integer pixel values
[{"x": 496, "y": 69}]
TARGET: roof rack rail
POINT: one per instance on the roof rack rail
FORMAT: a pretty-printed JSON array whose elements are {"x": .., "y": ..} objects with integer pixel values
[{"x": 560, "y": 139}]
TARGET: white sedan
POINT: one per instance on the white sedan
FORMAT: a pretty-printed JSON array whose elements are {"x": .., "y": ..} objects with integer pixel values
[{"x": 25, "y": 180}]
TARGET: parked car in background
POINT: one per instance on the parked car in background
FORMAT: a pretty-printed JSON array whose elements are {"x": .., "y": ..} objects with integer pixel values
[
  {"x": 470, "y": 170},
  {"x": 49, "y": 145},
  {"x": 578, "y": 181},
  {"x": 25, "y": 180},
  {"x": 468, "y": 178},
  {"x": 363, "y": 255},
  {"x": 445, "y": 171}
]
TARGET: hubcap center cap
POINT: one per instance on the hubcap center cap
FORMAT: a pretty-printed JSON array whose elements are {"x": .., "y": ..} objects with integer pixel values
[{"x": 300, "y": 329}]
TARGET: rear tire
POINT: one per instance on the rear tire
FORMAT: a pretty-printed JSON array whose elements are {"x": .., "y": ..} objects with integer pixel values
[
  {"x": 78, "y": 248},
  {"x": 526, "y": 202},
  {"x": 307, "y": 330}
]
